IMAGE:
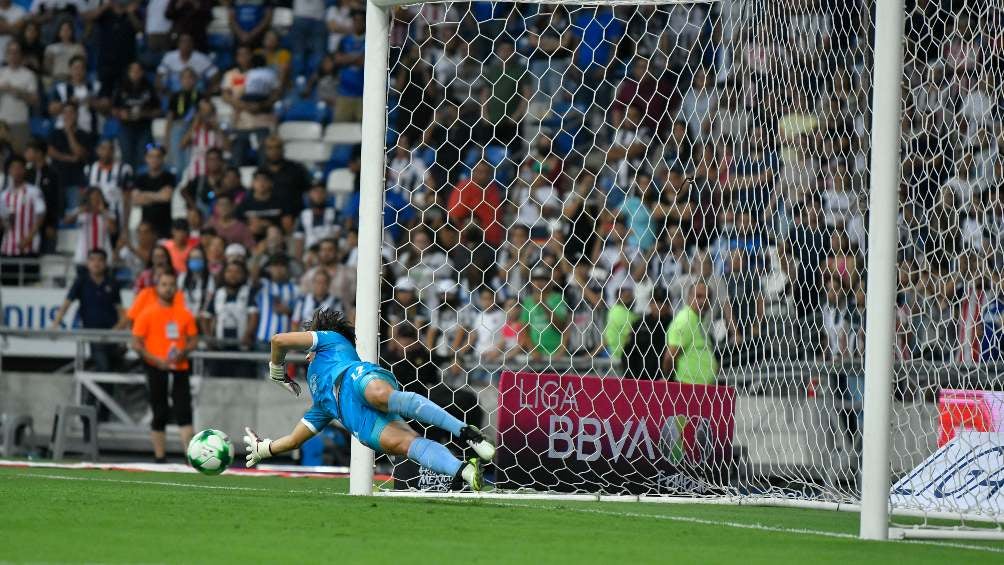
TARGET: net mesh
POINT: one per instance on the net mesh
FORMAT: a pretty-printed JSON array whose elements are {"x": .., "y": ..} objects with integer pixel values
[{"x": 679, "y": 191}]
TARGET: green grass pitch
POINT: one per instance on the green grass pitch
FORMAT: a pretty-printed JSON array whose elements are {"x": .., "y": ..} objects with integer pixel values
[{"x": 75, "y": 516}]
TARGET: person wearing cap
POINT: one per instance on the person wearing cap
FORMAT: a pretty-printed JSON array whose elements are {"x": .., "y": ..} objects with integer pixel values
[
  {"x": 180, "y": 245},
  {"x": 406, "y": 308},
  {"x": 545, "y": 315},
  {"x": 275, "y": 298},
  {"x": 235, "y": 252}
]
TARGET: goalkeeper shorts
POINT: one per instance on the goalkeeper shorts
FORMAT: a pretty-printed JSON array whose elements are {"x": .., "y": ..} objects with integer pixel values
[{"x": 365, "y": 422}]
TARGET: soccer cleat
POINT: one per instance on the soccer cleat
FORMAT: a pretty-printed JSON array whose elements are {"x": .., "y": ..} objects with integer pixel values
[
  {"x": 471, "y": 474},
  {"x": 476, "y": 441}
]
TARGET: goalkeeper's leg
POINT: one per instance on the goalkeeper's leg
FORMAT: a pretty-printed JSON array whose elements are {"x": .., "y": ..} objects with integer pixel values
[
  {"x": 399, "y": 439},
  {"x": 381, "y": 395}
]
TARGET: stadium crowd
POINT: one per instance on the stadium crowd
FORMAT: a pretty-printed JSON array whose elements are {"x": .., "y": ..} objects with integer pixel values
[{"x": 560, "y": 181}]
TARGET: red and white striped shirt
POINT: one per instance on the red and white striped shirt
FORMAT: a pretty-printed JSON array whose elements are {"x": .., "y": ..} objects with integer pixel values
[
  {"x": 20, "y": 208},
  {"x": 203, "y": 139},
  {"x": 93, "y": 234}
]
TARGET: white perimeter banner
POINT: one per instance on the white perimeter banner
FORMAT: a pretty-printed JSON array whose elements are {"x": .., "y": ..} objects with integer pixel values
[
  {"x": 35, "y": 308},
  {"x": 965, "y": 476}
]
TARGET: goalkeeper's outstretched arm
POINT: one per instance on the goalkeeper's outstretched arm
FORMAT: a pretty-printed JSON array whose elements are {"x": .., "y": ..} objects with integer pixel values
[{"x": 262, "y": 448}]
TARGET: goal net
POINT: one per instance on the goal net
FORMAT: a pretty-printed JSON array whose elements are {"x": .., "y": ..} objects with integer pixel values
[{"x": 628, "y": 241}]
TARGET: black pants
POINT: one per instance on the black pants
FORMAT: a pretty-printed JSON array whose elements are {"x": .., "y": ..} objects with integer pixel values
[{"x": 181, "y": 397}]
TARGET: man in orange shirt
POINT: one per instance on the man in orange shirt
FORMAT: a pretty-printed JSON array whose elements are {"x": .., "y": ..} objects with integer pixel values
[
  {"x": 477, "y": 199},
  {"x": 164, "y": 334}
]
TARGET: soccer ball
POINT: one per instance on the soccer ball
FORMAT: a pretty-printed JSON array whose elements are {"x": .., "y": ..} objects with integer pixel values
[{"x": 210, "y": 452}]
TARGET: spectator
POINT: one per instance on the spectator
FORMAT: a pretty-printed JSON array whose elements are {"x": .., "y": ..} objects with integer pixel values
[
  {"x": 251, "y": 103},
  {"x": 308, "y": 35},
  {"x": 182, "y": 242},
  {"x": 698, "y": 104},
  {"x": 196, "y": 284},
  {"x": 22, "y": 213},
  {"x": 316, "y": 222},
  {"x": 135, "y": 257},
  {"x": 115, "y": 181},
  {"x": 647, "y": 339},
  {"x": 477, "y": 200},
  {"x": 626, "y": 153},
  {"x": 448, "y": 334},
  {"x": 406, "y": 310},
  {"x": 40, "y": 174},
  {"x": 486, "y": 326},
  {"x": 85, "y": 94},
  {"x": 12, "y": 18},
  {"x": 229, "y": 316},
  {"x": 19, "y": 88},
  {"x": 226, "y": 224},
  {"x": 349, "y": 58},
  {"x": 135, "y": 105},
  {"x": 324, "y": 81},
  {"x": 276, "y": 57},
  {"x": 160, "y": 261},
  {"x": 204, "y": 135},
  {"x": 32, "y": 46},
  {"x": 620, "y": 324},
  {"x": 184, "y": 57},
  {"x": 156, "y": 28},
  {"x": 181, "y": 107},
  {"x": 584, "y": 297},
  {"x": 115, "y": 25},
  {"x": 992, "y": 342},
  {"x": 290, "y": 179},
  {"x": 97, "y": 225},
  {"x": 203, "y": 189},
  {"x": 70, "y": 151},
  {"x": 249, "y": 20},
  {"x": 319, "y": 298},
  {"x": 153, "y": 192},
  {"x": 343, "y": 276},
  {"x": 191, "y": 17},
  {"x": 409, "y": 174},
  {"x": 545, "y": 315},
  {"x": 100, "y": 307},
  {"x": 164, "y": 336},
  {"x": 59, "y": 55},
  {"x": 688, "y": 357},
  {"x": 263, "y": 207},
  {"x": 275, "y": 298}
]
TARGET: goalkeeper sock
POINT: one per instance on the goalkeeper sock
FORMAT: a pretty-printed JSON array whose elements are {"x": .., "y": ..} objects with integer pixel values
[
  {"x": 420, "y": 408},
  {"x": 434, "y": 455}
]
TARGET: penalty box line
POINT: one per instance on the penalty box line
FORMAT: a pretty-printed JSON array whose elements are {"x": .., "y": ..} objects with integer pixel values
[{"x": 482, "y": 502}]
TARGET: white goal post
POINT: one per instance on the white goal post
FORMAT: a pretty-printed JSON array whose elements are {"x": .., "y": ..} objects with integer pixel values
[{"x": 864, "y": 484}]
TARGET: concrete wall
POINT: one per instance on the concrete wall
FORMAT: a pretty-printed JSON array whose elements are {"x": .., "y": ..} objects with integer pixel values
[{"x": 225, "y": 404}]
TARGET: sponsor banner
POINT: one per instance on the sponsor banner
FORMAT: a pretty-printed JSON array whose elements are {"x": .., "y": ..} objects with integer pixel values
[
  {"x": 569, "y": 433},
  {"x": 965, "y": 476},
  {"x": 36, "y": 308},
  {"x": 976, "y": 410}
]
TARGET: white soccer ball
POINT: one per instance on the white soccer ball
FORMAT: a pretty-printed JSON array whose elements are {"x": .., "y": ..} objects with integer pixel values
[{"x": 210, "y": 452}]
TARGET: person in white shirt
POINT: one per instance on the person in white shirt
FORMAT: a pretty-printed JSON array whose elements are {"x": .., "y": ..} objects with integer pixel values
[
  {"x": 11, "y": 20},
  {"x": 18, "y": 93},
  {"x": 486, "y": 325},
  {"x": 184, "y": 57},
  {"x": 157, "y": 28}
]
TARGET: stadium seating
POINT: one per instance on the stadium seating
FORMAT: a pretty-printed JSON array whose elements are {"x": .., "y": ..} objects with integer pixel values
[
  {"x": 309, "y": 153},
  {"x": 341, "y": 183},
  {"x": 300, "y": 131},
  {"x": 343, "y": 133}
]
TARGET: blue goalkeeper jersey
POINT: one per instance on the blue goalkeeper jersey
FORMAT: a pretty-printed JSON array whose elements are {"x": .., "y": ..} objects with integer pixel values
[{"x": 333, "y": 355}]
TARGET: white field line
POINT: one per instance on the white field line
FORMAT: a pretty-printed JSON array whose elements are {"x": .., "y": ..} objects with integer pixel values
[{"x": 482, "y": 502}]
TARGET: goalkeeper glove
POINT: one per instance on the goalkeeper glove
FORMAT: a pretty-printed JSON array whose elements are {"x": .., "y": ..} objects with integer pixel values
[
  {"x": 277, "y": 372},
  {"x": 257, "y": 447}
]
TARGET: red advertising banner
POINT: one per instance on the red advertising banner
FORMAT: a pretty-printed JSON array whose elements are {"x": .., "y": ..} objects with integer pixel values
[{"x": 570, "y": 433}]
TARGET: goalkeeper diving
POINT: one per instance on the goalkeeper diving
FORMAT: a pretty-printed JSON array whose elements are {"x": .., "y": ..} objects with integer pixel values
[{"x": 366, "y": 399}]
